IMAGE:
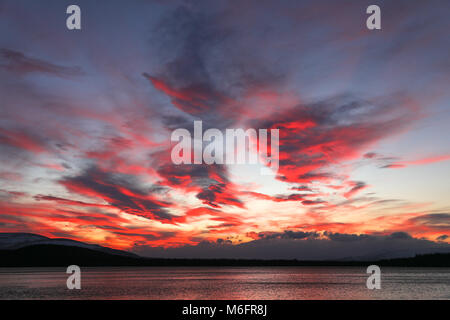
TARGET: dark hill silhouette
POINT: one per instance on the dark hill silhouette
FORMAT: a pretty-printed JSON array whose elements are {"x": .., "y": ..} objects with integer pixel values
[
  {"x": 49, "y": 255},
  {"x": 13, "y": 241}
]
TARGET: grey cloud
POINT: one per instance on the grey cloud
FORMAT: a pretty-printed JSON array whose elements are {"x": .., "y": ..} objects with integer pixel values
[
  {"x": 15, "y": 61},
  {"x": 296, "y": 246},
  {"x": 109, "y": 186},
  {"x": 287, "y": 234},
  {"x": 434, "y": 220}
]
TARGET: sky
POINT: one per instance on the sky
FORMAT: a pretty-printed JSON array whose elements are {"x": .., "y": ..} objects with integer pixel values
[{"x": 86, "y": 118}]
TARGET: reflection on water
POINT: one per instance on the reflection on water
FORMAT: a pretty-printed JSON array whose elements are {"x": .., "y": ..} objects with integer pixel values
[{"x": 290, "y": 283}]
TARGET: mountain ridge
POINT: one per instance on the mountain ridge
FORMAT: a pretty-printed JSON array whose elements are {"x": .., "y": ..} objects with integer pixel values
[{"x": 15, "y": 241}]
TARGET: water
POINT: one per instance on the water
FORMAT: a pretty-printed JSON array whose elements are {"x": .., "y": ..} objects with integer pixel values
[{"x": 225, "y": 283}]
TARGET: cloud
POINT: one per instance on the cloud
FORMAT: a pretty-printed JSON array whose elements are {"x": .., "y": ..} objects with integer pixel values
[
  {"x": 104, "y": 135},
  {"x": 422, "y": 161},
  {"x": 301, "y": 197},
  {"x": 64, "y": 201},
  {"x": 10, "y": 176},
  {"x": 287, "y": 234},
  {"x": 217, "y": 194},
  {"x": 370, "y": 155},
  {"x": 19, "y": 63},
  {"x": 442, "y": 237},
  {"x": 120, "y": 191},
  {"x": 210, "y": 182},
  {"x": 306, "y": 246},
  {"x": 302, "y": 188},
  {"x": 21, "y": 140},
  {"x": 439, "y": 221},
  {"x": 314, "y": 137},
  {"x": 356, "y": 186}
]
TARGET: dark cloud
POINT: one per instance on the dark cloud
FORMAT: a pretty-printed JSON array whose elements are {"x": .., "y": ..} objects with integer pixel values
[
  {"x": 207, "y": 65},
  {"x": 23, "y": 140},
  {"x": 306, "y": 246},
  {"x": 302, "y": 188},
  {"x": 217, "y": 194},
  {"x": 119, "y": 190},
  {"x": 356, "y": 187},
  {"x": 223, "y": 241},
  {"x": 17, "y": 62},
  {"x": 312, "y": 202},
  {"x": 392, "y": 166},
  {"x": 287, "y": 234},
  {"x": 434, "y": 220},
  {"x": 370, "y": 155},
  {"x": 204, "y": 55},
  {"x": 343, "y": 237}
]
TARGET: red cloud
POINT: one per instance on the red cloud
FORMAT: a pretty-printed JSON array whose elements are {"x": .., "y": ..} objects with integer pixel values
[{"x": 21, "y": 140}]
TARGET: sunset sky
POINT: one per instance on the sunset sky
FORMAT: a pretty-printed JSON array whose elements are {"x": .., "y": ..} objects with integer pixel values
[{"x": 86, "y": 118}]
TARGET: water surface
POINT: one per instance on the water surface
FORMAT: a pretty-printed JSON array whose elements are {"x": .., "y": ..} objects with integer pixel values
[{"x": 290, "y": 283}]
